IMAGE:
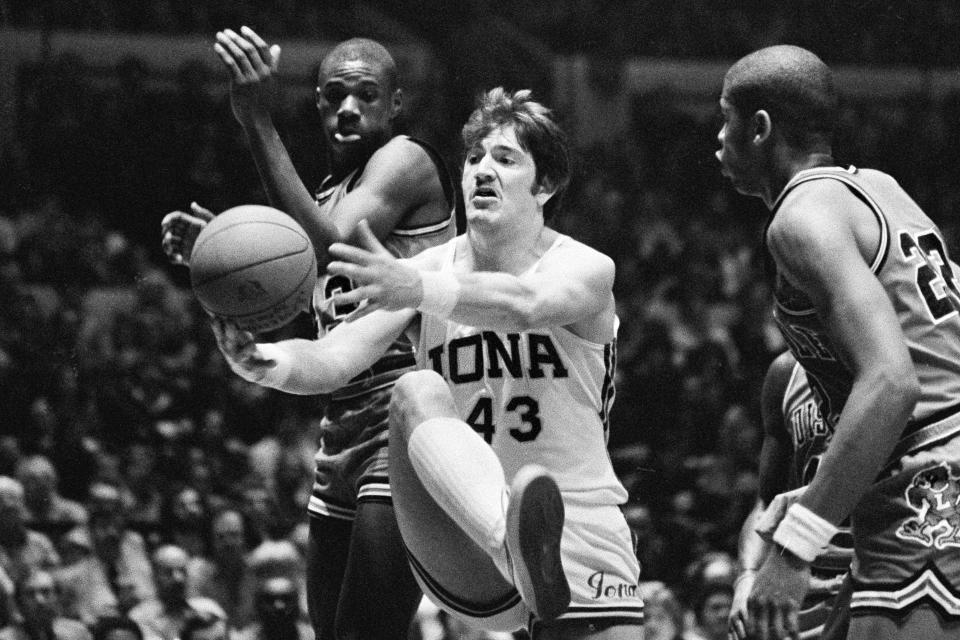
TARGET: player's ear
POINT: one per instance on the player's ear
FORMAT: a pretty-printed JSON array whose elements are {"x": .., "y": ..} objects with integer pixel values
[
  {"x": 543, "y": 193},
  {"x": 396, "y": 103},
  {"x": 762, "y": 126}
]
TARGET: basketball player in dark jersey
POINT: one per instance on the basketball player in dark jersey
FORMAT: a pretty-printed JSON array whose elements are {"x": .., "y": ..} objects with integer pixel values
[
  {"x": 401, "y": 187},
  {"x": 795, "y": 439},
  {"x": 868, "y": 300}
]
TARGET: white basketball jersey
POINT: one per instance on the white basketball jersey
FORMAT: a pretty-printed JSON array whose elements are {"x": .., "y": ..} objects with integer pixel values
[{"x": 540, "y": 396}]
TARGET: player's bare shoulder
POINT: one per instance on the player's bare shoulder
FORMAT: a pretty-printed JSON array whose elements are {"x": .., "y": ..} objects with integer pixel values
[
  {"x": 821, "y": 216},
  {"x": 567, "y": 253},
  {"x": 403, "y": 160}
]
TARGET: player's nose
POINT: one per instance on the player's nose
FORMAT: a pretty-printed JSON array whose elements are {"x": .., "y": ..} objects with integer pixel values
[{"x": 349, "y": 106}]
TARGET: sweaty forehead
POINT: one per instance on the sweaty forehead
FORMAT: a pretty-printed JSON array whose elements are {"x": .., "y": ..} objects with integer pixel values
[
  {"x": 502, "y": 136},
  {"x": 351, "y": 70}
]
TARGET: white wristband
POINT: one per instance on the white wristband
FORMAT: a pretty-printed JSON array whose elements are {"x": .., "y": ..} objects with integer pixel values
[
  {"x": 804, "y": 533},
  {"x": 275, "y": 377},
  {"x": 441, "y": 290}
]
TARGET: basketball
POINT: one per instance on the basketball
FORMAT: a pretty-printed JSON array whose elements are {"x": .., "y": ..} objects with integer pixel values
[{"x": 254, "y": 265}]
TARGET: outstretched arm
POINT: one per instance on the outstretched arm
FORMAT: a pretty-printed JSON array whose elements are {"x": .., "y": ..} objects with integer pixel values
[
  {"x": 571, "y": 287},
  {"x": 310, "y": 367}
]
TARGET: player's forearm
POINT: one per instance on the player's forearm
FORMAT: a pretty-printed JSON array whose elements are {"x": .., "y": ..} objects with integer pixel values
[
  {"x": 303, "y": 368},
  {"x": 871, "y": 423},
  {"x": 751, "y": 548},
  {"x": 506, "y": 303},
  {"x": 285, "y": 190}
]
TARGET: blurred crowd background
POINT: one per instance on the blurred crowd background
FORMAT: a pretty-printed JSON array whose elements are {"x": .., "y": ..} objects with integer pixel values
[{"x": 121, "y": 428}]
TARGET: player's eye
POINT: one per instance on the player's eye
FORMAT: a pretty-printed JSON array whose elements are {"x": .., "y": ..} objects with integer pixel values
[
  {"x": 369, "y": 95},
  {"x": 333, "y": 95}
]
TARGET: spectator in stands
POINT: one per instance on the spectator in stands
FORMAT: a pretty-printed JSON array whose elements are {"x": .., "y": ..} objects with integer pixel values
[
  {"x": 47, "y": 510},
  {"x": 38, "y": 601},
  {"x": 663, "y": 617},
  {"x": 205, "y": 625},
  {"x": 225, "y": 575},
  {"x": 164, "y": 616},
  {"x": 186, "y": 520},
  {"x": 144, "y": 495},
  {"x": 279, "y": 616},
  {"x": 711, "y": 595},
  {"x": 116, "y": 573},
  {"x": 116, "y": 628},
  {"x": 21, "y": 549}
]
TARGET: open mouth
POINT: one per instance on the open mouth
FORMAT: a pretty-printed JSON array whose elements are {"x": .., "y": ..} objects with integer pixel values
[{"x": 484, "y": 193}]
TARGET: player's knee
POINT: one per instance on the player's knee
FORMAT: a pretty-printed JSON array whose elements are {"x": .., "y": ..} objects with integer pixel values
[{"x": 419, "y": 396}]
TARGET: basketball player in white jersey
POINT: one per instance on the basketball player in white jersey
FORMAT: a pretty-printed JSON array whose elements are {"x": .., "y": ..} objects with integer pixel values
[
  {"x": 503, "y": 489},
  {"x": 402, "y": 188},
  {"x": 868, "y": 300},
  {"x": 795, "y": 439}
]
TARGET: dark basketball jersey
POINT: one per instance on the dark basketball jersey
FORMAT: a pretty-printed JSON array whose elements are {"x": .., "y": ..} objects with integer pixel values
[
  {"x": 914, "y": 268},
  {"x": 402, "y": 242}
]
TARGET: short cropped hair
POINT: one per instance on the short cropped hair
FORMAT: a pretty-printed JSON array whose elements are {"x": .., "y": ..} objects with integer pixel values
[
  {"x": 362, "y": 49},
  {"x": 793, "y": 85},
  {"x": 536, "y": 131}
]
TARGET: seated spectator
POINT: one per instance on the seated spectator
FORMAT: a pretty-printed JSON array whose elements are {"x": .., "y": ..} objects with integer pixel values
[
  {"x": 21, "y": 549},
  {"x": 205, "y": 625},
  {"x": 116, "y": 574},
  {"x": 280, "y": 558},
  {"x": 7, "y": 604},
  {"x": 47, "y": 510},
  {"x": 279, "y": 616},
  {"x": 164, "y": 616},
  {"x": 225, "y": 575},
  {"x": 185, "y": 520},
  {"x": 143, "y": 491},
  {"x": 116, "y": 628},
  {"x": 662, "y": 613},
  {"x": 38, "y": 601},
  {"x": 711, "y": 582}
]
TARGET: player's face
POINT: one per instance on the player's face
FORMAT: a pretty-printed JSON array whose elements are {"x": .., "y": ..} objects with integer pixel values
[
  {"x": 357, "y": 108},
  {"x": 499, "y": 179},
  {"x": 735, "y": 153}
]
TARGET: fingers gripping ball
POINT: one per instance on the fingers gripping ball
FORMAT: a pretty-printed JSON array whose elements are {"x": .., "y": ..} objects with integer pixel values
[{"x": 253, "y": 265}]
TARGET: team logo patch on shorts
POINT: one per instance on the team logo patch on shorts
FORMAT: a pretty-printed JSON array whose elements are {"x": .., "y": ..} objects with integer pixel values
[{"x": 934, "y": 494}]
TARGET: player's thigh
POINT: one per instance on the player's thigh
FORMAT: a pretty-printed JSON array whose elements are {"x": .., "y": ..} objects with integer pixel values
[
  {"x": 378, "y": 576},
  {"x": 440, "y": 551},
  {"x": 584, "y": 630},
  {"x": 328, "y": 547},
  {"x": 919, "y": 622}
]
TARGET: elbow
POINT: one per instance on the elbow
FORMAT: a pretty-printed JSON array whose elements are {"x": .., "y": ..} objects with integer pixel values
[
  {"x": 907, "y": 384},
  {"x": 911, "y": 390},
  {"x": 901, "y": 387}
]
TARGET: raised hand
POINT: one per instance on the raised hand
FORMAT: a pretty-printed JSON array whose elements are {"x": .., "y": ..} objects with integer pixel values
[
  {"x": 179, "y": 231},
  {"x": 253, "y": 68}
]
